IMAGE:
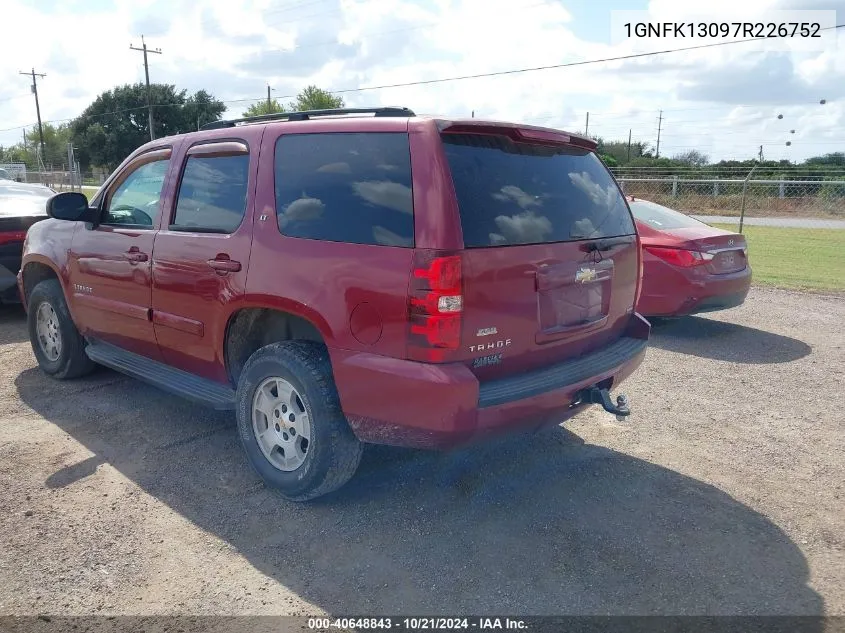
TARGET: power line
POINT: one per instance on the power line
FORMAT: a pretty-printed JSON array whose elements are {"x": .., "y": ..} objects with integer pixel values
[
  {"x": 622, "y": 114},
  {"x": 552, "y": 66},
  {"x": 14, "y": 97},
  {"x": 121, "y": 111},
  {"x": 480, "y": 75}
]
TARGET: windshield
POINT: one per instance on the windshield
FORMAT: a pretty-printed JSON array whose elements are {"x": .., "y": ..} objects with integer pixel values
[
  {"x": 660, "y": 217},
  {"x": 510, "y": 193},
  {"x": 19, "y": 190}
]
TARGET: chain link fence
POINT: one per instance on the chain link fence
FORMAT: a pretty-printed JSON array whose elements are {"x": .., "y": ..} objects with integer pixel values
[
  {"x": 773, "y": 202},
  {"x": 778, "y": 201},
  {"x": 62, "y": 180}
]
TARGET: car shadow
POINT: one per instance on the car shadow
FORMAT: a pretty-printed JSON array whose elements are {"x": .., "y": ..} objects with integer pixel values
[
  {"x": 12, "y": 324},
  {"x": 537, "y": 524},
  {"x": 731, "y": 342}
]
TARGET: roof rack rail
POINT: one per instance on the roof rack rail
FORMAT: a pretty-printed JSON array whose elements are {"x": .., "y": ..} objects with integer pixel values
[{"x": 305, "y": 115}]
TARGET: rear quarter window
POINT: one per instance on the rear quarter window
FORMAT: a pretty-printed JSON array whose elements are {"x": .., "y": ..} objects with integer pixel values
[
  {"x": 345, "y": 187},
  {"x": 512, "y": 193}
]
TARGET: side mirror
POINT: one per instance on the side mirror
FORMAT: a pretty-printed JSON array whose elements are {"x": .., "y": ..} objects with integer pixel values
[{"x": 71, "y": 206}]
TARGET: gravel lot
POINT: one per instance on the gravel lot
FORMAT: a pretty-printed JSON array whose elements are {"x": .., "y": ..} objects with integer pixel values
[{"x": 724, "y": 495}]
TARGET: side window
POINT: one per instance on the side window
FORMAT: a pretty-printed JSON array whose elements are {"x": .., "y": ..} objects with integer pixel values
[
  {"x": 212, "y": 195},
  {"x": 345, "y": 187},
  {"x": 136, "y": 200}
]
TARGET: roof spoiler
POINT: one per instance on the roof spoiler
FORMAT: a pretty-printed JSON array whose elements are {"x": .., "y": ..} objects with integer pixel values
[{"x": 518, "y": 133}]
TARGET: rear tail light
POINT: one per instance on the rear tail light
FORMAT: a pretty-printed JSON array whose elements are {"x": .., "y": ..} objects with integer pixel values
[
  {"x": 639, "y": 272},
  {"x": 12, "y": 236},
  {"x": 435, "y": 306},
  {"x": 680, "y": 256}
]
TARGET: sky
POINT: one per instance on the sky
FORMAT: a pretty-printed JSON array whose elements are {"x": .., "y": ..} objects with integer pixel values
[{"x": 723, "y": 101}]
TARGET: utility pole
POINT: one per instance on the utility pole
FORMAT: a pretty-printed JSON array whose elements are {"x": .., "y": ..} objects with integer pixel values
[
  {"x": 587, "y": 126},
  {"x": 34, "y": 74},
  {"x": 269, "y": 107},
  {"x": 760, "y": 154},
  {"x": 659, "y": 127},
  {"x": 145, "y": 50},
  {"x": 629, "y": 145},
  {"x": 70, "y": 164}
]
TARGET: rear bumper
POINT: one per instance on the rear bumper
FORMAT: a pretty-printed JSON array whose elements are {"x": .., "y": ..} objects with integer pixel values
[
  {"x": 685, "y": 296},
  {"x": 406, "y": 403},
  {"x": 10, "y": 264},
  {"x": 9, "y": 282}
]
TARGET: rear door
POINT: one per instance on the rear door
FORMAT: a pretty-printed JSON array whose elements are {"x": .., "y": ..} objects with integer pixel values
[
  {"x": 202, "y": 254},
  {"x": 551, "y": 259}
]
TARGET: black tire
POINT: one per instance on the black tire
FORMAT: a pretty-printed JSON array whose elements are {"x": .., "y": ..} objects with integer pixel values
[
  {"x": 72, "y": 361},
  {"x": 333, "y": 451}
]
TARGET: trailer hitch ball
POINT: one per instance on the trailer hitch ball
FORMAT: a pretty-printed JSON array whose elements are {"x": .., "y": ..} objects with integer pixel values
[
  {"x": 597, "y": 395},
  {"x": 622, "y": 405}
]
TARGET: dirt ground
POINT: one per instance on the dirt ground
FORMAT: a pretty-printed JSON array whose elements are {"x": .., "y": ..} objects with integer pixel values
[{"x": 724, "y": 495}]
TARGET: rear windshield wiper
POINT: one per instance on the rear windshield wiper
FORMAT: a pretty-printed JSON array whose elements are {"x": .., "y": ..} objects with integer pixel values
[{"x": 607, "y": 243}]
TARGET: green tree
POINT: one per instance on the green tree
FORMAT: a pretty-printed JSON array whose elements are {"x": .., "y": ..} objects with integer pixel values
[
  {"x": 116, "y": 123},
  {"x": 836, "y": 159},
  {"x": 692, "y": 158},
  {"x": 201, "y": 108},
  {"x": 17, "y": 154},
  {"x": 56, "y": 138},
  {"x": 609, "y": 160},
  {"x": 262, "y": 107},
  {"x": 314, "y": 98},
  {"x": 619, "y": 150}
]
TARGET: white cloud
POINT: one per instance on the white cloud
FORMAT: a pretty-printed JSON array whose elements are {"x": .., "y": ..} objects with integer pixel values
[
  {"x": 513, "y": 193},
  {"x": 234, "y": 48},
  {"x": 522, "y": 228},
  {"x": 302, "y": 209},
  {"x": 335, "y": 168},
  {"x": 383, "y": 193}
]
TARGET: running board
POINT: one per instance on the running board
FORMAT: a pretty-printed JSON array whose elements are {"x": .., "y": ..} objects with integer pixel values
[{"x": 176, "y": 381}]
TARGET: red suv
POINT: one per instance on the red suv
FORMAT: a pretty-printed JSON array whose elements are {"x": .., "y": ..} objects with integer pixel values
[{"x": 348, "y": 276}]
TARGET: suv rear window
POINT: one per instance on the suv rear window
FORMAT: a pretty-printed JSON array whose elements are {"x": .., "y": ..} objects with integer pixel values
[
  {"x": 513, "y": 193},
  {"x": 345, "y": 187}
]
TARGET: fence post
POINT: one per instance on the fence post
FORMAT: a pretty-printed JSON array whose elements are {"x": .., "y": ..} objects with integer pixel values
[
  {"x": 781, "y": 188},
  {"x": 744, "y": 194},
  {"x": 674, "y": 186},
  {"x": 715, "y": 188}
]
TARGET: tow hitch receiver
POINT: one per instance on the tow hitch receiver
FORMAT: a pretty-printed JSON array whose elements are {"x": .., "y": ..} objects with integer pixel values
[{"x": 596, "y": 395}]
